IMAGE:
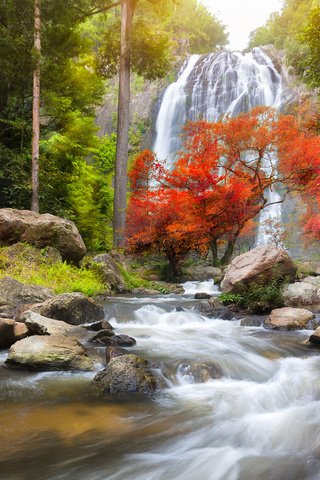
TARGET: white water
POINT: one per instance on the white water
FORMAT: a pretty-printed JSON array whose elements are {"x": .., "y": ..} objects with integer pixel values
[
  {"x": 172, "y": 114},
  {"x": 211, "y": 86},
  {"x": 259, "y": 421},
  {"x": 207, "y": 286}
]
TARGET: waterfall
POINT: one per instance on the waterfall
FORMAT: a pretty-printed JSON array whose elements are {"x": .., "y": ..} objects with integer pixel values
[{"x": 210, "y": 87}]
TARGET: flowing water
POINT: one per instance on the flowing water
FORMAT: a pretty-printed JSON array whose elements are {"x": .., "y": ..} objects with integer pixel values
[
  {"x": 210, "y": 87},
  {"x": 257, "y": 419}
]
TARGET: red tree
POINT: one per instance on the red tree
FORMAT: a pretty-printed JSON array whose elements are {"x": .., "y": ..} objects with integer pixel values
[{"x": 218, "y": 183}]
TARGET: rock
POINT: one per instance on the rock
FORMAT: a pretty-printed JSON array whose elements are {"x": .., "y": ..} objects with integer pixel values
[
  {"x": 289, "y": 318},
  {"x": 313, "y": 281},
  {"x": 41, "y": 231},
  {"x": 110, "y": 272},
  {"x": 315, "y": 337},
  {"x": 144, "y": 291},
  {"x": 201, "y": 372},
  {"x": 113, "y": 352},
  {"x": 54, "y": 352},
  {"x": 202, "y": 273},
  {"x": 97, "y": 326},
  {"x": 72, "y": 308},
  {"x": 14, "y": 294},
  {"x": 214, "y": 310},
  {"x": 301, "y": 293},
  {"x": 126, "y": 374},
  {"x": 11, "y": 332},
  {"x": 202, "y": 296},
  {"x": 107, "y": 337},
  {"x": 39, "y": 325},
  {"x": 261, "y": 265},
  {"x": 99, "y": 336},
  {"x": 252, "y": 321}
]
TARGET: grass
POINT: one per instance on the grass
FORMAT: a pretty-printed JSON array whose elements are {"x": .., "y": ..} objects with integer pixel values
[{"x": 43, "y": 267}]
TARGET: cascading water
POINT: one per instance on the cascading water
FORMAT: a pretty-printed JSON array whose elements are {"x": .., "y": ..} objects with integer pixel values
[{"x": 211, "y": 86}]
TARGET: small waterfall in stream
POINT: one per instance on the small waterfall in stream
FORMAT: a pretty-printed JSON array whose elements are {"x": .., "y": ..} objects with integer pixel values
[{"x": 211, "y": 86}]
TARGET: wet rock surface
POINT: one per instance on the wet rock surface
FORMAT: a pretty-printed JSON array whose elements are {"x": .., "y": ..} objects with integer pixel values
[
  {"x": 289, "y": 318},
  {"x": 126, "y": 374},
  {"x": 55, "y": 352},
  {"x": 214, "y": 309}
]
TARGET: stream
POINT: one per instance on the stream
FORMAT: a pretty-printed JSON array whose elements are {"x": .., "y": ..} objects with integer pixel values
[{"x": 260, "y": 420}]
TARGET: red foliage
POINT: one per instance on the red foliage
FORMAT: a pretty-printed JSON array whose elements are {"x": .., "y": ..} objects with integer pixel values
[{"x": 218, "y": 182}]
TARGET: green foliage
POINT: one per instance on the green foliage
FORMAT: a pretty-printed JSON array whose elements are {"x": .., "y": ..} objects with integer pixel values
[
  {"x": 34, "y": 267},
  {"x": 256, "y": 298},
  {"x": 283, "y": 30},
  {"x": 311, "y": 38}
]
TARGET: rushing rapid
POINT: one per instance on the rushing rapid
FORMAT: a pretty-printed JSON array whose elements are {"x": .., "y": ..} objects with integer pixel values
[{"x": 238, "y": 403}]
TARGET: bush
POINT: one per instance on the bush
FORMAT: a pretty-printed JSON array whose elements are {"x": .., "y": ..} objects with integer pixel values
[
  {"x": 256, "y": 298},
  {"x": 28, "y": 265}
]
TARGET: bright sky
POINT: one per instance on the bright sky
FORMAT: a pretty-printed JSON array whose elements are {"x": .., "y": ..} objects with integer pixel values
[{"x": 242, "y": 16}]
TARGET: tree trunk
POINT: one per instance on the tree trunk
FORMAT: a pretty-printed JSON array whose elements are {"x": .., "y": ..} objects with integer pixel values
[
  {"x": 229, "y": 252},
  {"x": 36, "y": 107},
  {"x": 120, "y": 181},
  {"x": 214, "y": 250},
  {"x": 174, "y": 267}
]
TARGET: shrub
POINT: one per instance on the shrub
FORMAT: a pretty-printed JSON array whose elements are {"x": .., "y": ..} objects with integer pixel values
[{"x": 256, "y": 298}]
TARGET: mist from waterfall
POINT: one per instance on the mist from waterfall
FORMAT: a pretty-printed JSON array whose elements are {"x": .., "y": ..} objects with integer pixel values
[{"x": 209, "y": 87}]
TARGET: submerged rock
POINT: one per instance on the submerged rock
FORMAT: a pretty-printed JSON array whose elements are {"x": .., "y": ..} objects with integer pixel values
[
  {"x": 11, "y": 332},
  {"x": 289, "y": 318},
  {"x": 252, "y": 321},
  {"x": 72, "y": 308},
  {"x": 126, "y": 374},
  {"x": 41, "y": 230},
  {"x": 261, "y": 265},
  {"x": 55, "y": 352},
  {"x": 201, "y": 372}
]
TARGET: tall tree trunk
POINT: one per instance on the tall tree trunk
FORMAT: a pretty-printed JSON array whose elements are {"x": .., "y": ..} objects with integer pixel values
[
  {"x": 214, "y": 250},
  {"x": 36, "y": 107},
  {"x": 228, "y": 252},
  {"x": 120, "y": 181}
]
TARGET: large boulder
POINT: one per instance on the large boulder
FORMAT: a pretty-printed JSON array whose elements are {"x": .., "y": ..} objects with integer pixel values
[
  {"x": 11, "y": 332},
  {"x": 39, "y": 325},
  {"x": 289, "y": 318},
  {"x": 13, "y": 294},
  {"x": 126, "y": 374},
  {"x": 110, "y": 272},
  {"x": 301, "y": 293},
  {"x": 261, "y": 265},
  {"x": 72, "y": 308},
  {"x": 54, "y": 352},
  {"x": 41, "y": 230}
]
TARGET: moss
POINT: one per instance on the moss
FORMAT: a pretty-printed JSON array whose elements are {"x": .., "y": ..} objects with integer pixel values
[{"x": 28, "y": 265}]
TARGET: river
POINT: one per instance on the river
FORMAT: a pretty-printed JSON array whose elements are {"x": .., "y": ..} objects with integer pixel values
[{"x": 260, "y": 420}]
